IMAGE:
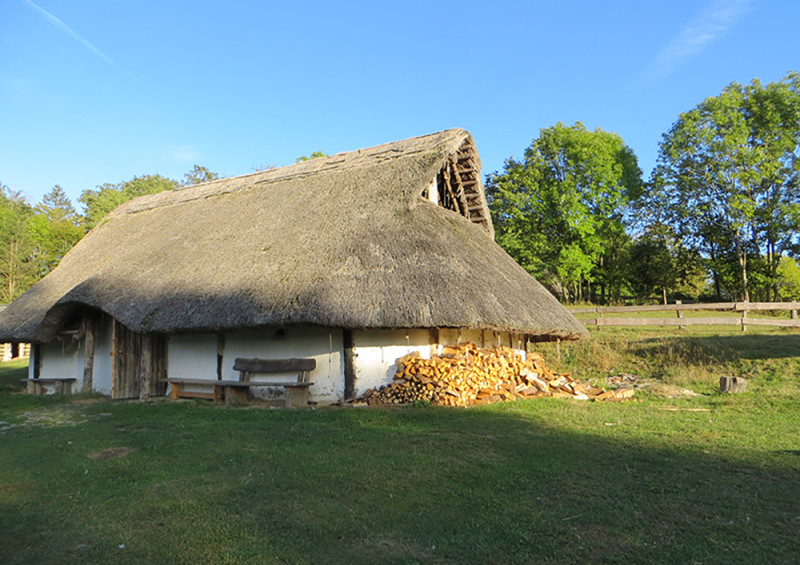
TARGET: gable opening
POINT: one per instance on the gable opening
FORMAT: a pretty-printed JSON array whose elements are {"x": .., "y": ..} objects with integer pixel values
[{"x": 458, "y": 187}]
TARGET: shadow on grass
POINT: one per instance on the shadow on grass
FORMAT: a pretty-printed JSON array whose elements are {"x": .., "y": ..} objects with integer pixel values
[{"x": 504, "y": 484}]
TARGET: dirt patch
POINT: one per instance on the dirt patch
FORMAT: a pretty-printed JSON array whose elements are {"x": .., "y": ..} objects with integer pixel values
[
  {"x": 111, "y": 453},
  {"x": 85, "y": 401},
  {"x": 15, "y": 487},
  {"x": 667, "y": 391}
]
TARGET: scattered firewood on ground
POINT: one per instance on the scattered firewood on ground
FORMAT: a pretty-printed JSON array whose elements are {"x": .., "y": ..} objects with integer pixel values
[{"x": 467, "y": 375}]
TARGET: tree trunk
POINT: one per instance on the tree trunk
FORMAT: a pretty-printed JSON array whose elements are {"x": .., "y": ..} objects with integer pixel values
[{"x": 743, "y": 265}]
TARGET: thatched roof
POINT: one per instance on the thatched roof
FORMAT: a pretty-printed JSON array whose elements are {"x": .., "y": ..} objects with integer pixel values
[{"x": 348, "y": 241}]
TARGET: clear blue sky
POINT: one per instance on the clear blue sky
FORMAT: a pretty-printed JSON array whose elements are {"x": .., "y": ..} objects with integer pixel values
[{"x": 95, "y": 91}]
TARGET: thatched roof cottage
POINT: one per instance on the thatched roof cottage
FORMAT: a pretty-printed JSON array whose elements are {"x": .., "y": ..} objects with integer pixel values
[{"x": 353, "y": 260}]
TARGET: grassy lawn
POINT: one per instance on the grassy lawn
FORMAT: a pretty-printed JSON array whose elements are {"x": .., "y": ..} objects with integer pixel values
[{"x": 709, "y": 479}]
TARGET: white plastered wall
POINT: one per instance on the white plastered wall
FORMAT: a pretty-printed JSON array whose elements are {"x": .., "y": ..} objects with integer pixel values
[
  {"x": 61, "y": 358},
  {"x": 324, "y": 345},
  {"x": 103, "y": 357},
  {"x": 192, "y": 356},
  {"x": 377, "y": 351},
  {"x": 195, "y": 357}
]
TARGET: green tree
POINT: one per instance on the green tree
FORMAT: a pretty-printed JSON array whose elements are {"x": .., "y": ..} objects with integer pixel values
[
  {"x": 106, "y": 197},
  {"x": 314, "y": 155},
  {"x": 198, "y": 175},
  {"x": 54, "y": 227},
  {"x": 789, "y": 279},
  {"x": 560, "y": 212},
  {"x": 658, "y": 264},
  {"x": 727, "y": 181},
  {"x": 16, "y": 272}
]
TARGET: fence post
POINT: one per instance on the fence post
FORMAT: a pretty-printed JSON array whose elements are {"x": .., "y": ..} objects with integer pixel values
[
  {"x": 680, "y": 313},
  {"x": 744, "y": 320}
]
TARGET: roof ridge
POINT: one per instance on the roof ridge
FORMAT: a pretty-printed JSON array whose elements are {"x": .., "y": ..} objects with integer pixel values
[{"x": 342, "y": 161}]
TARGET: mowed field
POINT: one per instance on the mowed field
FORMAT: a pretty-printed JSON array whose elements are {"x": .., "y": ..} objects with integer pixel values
[{"x": 666, "y": 478}]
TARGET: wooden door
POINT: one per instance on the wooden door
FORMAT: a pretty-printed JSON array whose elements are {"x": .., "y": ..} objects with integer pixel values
[{"x": 140, "y": 364}]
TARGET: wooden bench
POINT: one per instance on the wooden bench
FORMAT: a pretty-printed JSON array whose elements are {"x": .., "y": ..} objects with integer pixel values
[
  {"x": 296, "y": 390},
  {"x": 63, "y": 385}
]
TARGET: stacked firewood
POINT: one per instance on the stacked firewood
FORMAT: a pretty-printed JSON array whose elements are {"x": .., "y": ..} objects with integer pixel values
[{"x": 467, "y": 375}]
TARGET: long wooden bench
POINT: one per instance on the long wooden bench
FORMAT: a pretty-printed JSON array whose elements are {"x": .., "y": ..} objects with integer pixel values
[
  {"x": 63, "y": 384},
  {"x": 227, "y": 390},
  {"x": 296, "y": 390}
]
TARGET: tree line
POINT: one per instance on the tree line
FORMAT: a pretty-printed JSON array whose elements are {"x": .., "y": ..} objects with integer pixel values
[
  {"x": 34, "y": 238},
  {"x": 718, "y": 219}
]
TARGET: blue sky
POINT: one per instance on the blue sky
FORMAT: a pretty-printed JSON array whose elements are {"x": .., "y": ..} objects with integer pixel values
[{"x": 93, "y": 91}]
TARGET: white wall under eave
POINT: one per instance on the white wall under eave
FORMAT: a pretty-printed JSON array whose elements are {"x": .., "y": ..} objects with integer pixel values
[
  {"x": 324, "y": 345},
  {"x": 376, "y": 353},
  {"x": 194, "y": 356},
  {"x": 103, "y": 357},
  {"x": 60, "y": 358}
]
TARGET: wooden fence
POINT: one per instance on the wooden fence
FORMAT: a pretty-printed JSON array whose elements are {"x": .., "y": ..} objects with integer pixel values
[{"x": 743, "y": 321}]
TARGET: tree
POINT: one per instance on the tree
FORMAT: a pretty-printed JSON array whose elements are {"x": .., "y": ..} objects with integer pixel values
[
  {"x": 658, "y": 264},
  {"x": 727, "y": 181},
  {"x": 54, "y": 227},
  {"x": 198, "y": 175},
  {"x": 560, "y": 211},
  {"x": 789, "y": 278},
  {"x": 106, "y": 197},
  {"x": 16, "y": 273},
  {"x": 314, "y": 155}
]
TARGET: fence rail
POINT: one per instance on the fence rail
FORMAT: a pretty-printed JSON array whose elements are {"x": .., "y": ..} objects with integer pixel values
[{"x": 681, "y": 321}]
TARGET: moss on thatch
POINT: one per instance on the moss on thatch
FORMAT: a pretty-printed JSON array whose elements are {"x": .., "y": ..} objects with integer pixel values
[{"x": 345, "y": 241}]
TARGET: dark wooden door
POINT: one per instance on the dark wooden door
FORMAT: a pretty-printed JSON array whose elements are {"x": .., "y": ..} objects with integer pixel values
[{"x": 140, "y": 364}]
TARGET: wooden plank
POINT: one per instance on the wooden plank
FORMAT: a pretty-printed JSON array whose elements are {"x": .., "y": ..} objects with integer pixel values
[
  {"x": 88, "y": 352},
  {"x": 653, "y": 308},
  {"x": 220, "y": 353},
  {"x": 737, "y": 306},
  {"x": 273, "y": 365},
  {"x": 750, "y": 306},
  {"x": 783, "y": 323},
  {"x": 37, "y": 360},
  {"x": 145, "y": 362},
  {"x": 52, "y": 380},
  {"x": 777, "y": 322},
  {"x": 664, "y": 321},
  {"x": 159, "y": 367},
  {"x": 236, "y": 384},
  {"x": 349, "y": 364}
]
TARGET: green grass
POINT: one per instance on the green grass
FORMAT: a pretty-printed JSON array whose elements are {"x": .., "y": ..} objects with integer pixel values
[{"x": 712, "y": 479}]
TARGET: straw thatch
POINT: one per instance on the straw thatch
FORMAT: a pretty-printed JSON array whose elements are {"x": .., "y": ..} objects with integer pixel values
[{"x": 347, "y": 241}]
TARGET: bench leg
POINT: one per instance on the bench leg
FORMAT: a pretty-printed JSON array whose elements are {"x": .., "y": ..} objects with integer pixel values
[
  {"x": 219, "y": 394},
  {"x": 235, "y": 393},
  {"x": 176, "y": 390},
  {"x": 296, "y": 396}
]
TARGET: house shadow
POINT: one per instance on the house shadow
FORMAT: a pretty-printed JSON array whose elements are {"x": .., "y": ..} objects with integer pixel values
[{"x": 501, "y": 484}]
